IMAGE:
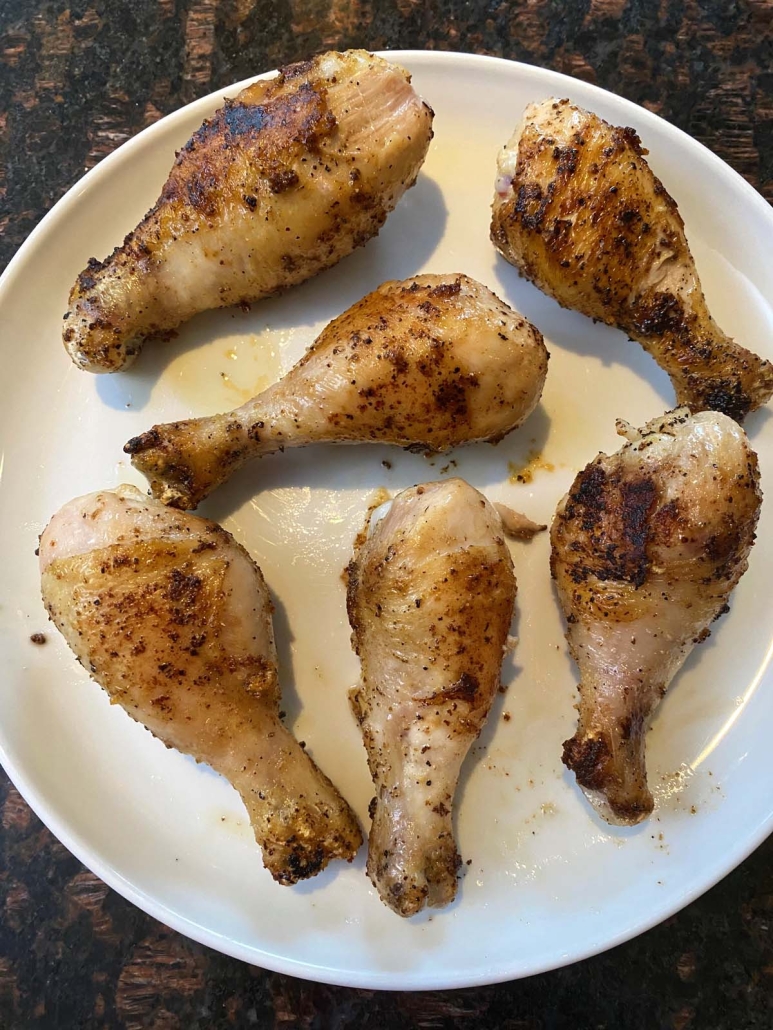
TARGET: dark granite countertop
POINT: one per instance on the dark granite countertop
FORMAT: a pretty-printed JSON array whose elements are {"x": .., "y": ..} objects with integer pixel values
[{"x": 79, "y": 78}]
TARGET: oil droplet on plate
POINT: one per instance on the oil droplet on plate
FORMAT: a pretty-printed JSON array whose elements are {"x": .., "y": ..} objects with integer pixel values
[{"x": 226, "y": 373}]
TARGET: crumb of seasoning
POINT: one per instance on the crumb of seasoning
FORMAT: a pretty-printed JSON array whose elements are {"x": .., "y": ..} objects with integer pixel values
[
  {"x": 502, "y": 688},
  {"x": 37, "y": 555},
  {"x": 386, "y": 464},
  {"x": 507, "y": 717},
  {"x": 38, "y": 638},
  {"x": 518, "y": 475},
  {"x": 469, "y": 861},
  {"x": 302, "y": 743},
  {"x": 693, "y": 810}
]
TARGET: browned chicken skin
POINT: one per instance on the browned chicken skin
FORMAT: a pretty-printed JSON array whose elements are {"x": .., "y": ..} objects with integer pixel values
[
  {"x": 430, "y": 598},
  {"x": 282, "y": 182},
  {"x": 578, "y": 211},
  {"x": 172, "y": 617},
  {"x": 428, "y": 363},
  {"x": 647, "y": 547}
]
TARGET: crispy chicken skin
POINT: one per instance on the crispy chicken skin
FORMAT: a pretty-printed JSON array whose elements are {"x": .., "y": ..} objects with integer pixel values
[
  {"x": 647, "y": 547},
  {"x": 428, "y": 363},
  {"x": 282, "y": 182},
  {"x": 430, "y": 597},
  {"x": 578, "y": 211},
  {"x": 172, "y": 617}
]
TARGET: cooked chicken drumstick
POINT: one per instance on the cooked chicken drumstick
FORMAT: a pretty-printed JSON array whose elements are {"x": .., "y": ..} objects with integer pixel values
[
  {"x": 578, "y": 211},
  {"x": 282, "y": 182},
  {"x": 430, "y": 598},
  {"x": 429, "y": 363},
  {"x": 647, "y": 547},
  {"x": 172, "y": 617}
]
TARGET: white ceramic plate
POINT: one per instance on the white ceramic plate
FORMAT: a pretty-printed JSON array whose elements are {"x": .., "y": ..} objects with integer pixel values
[{"x": 547, "y": 882}]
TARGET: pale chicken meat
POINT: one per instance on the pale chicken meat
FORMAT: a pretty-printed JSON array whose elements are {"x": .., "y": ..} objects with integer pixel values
[
  {"x": 282, "y": 182},
  {"x": 431, "y": 593},
  {"x": 427, "y": 363},
  {"x": 647, "y": 547},
  {"x": 579, "y": 212},
  {"x": 173, "y": 618}
]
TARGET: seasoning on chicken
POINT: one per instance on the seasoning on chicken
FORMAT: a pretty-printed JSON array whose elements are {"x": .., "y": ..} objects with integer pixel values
[
  {"x": 173, "y": 618},
  {"x": 283, "y": 182},
  {"x": 578, "y": 211},
  {"x": 428, "y": 363},
  {"x": 431, "y": 594},
  {"x": 647, "y": 547}
]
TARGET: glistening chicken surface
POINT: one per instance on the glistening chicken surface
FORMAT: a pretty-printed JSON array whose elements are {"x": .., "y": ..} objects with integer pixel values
[{"x": 173, "y": 619}]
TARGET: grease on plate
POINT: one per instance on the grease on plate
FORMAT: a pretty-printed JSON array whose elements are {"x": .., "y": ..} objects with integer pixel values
[{"x": 525, "y": 473}]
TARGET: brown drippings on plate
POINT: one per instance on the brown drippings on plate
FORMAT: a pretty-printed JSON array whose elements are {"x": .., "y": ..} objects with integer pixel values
[{"x": 525, "y": 473}]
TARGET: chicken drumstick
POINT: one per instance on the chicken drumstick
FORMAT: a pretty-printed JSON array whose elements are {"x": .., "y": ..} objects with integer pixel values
[
  {"x": 283, "y": 182},
  {"x": 430, "y": 598},
  {"x": 647, "y": 547},
  {"x": 172, "y": 617},
  {"x": 578, "y": 211},
  {"x": 428, "y": 363}
]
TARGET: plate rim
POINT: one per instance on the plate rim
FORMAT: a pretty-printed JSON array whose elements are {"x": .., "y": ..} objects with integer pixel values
[{"x": 157, "y": 909}]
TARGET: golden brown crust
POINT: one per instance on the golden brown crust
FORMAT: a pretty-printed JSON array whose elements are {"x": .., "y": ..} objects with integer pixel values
[
  {"x": 430, "y": 363},
  {"x": 585, "y": 219},
  {"x": 161, "y": 600},
  {"x": 176, "y": 628},
  {"x": 279, "y": 184}
]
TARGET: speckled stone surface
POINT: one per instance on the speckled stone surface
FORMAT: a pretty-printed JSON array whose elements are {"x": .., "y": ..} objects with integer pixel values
[{"x": 79, "y": 78}]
